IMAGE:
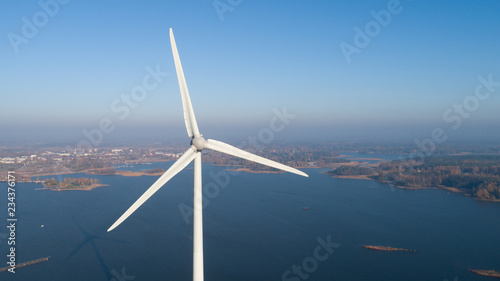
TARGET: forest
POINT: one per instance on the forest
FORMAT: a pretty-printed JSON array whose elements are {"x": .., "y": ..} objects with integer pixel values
[
  {"x": 476, "y": 175},
  {"x": 69, "y": 183},
  {"x": 345, "y": 170}
]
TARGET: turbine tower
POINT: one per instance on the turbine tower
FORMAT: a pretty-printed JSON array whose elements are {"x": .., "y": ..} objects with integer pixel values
[{"x": 198, "y": 143}]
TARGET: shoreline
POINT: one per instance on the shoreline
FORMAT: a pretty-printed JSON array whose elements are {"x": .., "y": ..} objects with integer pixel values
[
  {"x": 247, "y": 170},
  {"x": 65, "y": 171},
  {"x": 371, "y": 159},
  {"x": 136, "y": 174},
  {"x": 446, "y": 188},
  {"x": 86, "y": 188},
  {"x": 354, "y": 177}
]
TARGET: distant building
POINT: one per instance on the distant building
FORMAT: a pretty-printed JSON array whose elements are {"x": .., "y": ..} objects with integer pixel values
[{"x": 7, "y": 160}]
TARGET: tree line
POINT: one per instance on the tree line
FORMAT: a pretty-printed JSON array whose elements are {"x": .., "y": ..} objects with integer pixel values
[
  {"x": 70, "y": 182},
  {"x": 478, "y": 175}
]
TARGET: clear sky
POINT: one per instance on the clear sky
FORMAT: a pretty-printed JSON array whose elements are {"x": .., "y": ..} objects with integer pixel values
[{"x": 344, "y": 68}]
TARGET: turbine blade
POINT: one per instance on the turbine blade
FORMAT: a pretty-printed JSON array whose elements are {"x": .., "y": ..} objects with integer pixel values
[
  {"x": 231, "y": 150},
  {"x": 180, "y": 164},
  {"x": 191, "y": 125}
]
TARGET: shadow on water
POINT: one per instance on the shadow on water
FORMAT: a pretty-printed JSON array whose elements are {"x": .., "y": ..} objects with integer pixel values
[{"x": 91, "y": 238}]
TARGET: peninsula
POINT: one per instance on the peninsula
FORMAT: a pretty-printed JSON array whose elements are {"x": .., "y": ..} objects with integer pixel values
[{"x": 477, "y": 176}]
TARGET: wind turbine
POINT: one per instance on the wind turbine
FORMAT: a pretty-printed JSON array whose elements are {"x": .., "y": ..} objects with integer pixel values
[{"x": 198, "y": 143}]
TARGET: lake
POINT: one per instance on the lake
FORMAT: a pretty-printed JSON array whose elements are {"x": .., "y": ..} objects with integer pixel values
[{"x": 256, "y": 227}]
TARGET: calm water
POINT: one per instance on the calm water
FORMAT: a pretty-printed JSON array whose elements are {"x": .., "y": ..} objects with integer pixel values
[{"x": 255, "y": 229}]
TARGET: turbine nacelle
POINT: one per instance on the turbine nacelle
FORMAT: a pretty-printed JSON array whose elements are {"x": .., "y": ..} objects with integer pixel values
[{"x": 198, "y": 142}]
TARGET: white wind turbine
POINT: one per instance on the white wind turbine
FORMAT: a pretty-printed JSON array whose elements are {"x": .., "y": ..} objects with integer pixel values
[{"x": 198, "y": 143}]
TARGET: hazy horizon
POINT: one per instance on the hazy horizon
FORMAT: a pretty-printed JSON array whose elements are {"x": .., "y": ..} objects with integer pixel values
[
  {"x": 236, "y": 134},
  {"x": 375, "y": 70}
]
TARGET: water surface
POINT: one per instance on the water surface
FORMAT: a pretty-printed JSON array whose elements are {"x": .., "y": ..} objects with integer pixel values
[{"x": 255, "y": 227}]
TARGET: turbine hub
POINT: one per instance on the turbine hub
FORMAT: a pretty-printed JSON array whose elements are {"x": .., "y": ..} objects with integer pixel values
[{"x": 198, "y": 142}]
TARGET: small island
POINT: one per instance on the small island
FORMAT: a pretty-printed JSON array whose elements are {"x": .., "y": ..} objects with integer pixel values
[
  {"x": 72, "y": 184},
  {"x": 483, "y": 272},
  {"x": 387, "y": 249},
  {"x": 352, "y": 172}
]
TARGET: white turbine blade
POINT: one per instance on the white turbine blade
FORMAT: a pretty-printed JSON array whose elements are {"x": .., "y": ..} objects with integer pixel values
[
  {"x": 180, "y": 164},
  {"x": 191, "y": 125},
  {"x": 231, "y": 150}
]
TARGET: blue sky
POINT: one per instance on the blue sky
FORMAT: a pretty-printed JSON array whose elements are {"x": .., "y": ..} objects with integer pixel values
[{"x": 243, "y": 62}]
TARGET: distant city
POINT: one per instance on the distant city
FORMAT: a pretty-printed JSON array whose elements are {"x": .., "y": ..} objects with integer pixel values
[{"x": 40, "y": 161}]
